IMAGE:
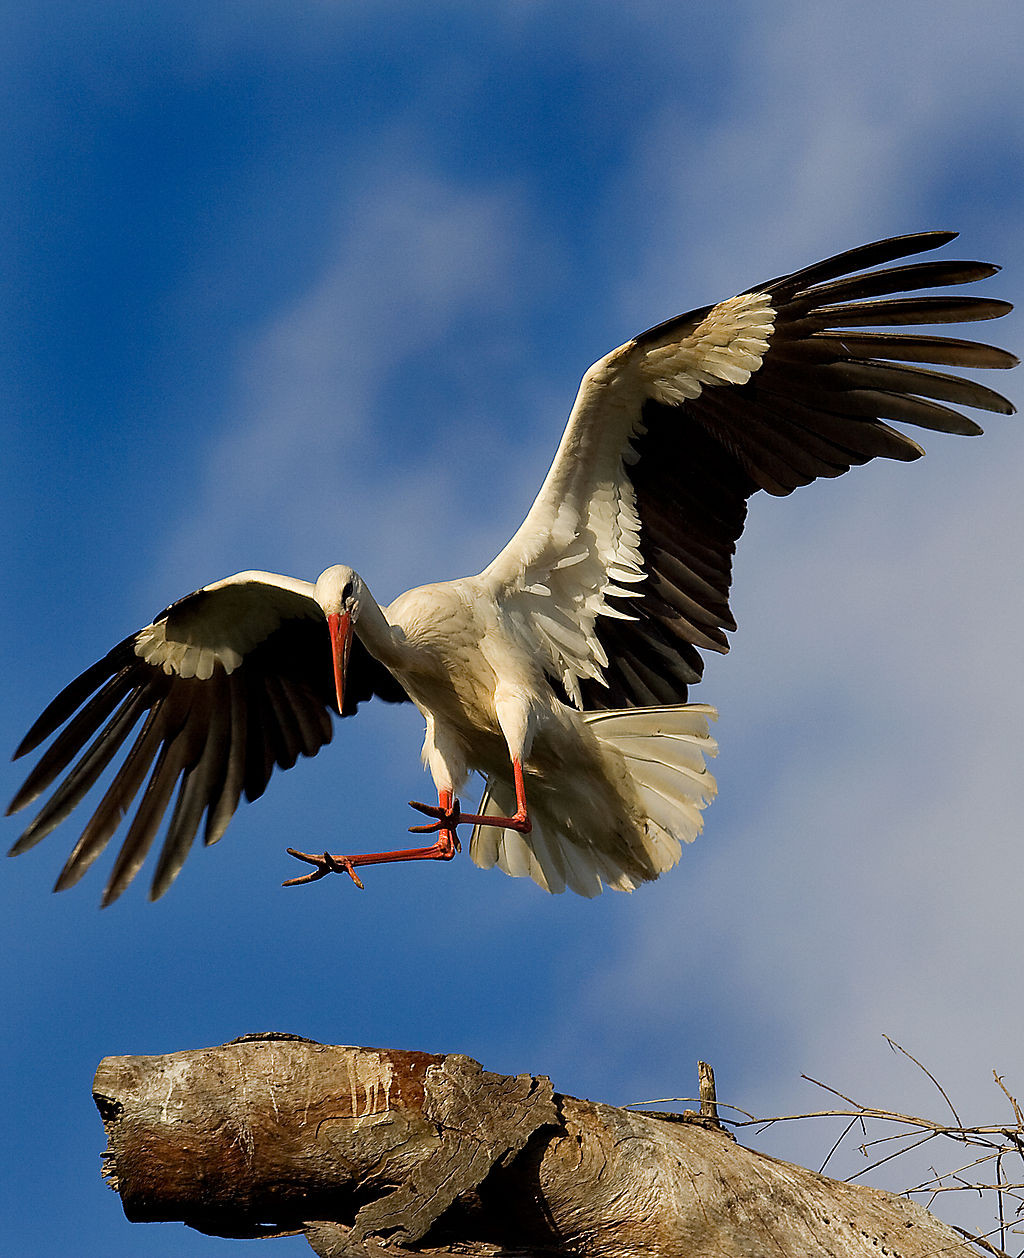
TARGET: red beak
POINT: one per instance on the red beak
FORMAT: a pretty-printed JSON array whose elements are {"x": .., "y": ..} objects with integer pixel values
[{"x": 341, "y": 643}]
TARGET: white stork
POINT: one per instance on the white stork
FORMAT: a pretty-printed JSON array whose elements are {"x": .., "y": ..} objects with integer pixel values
[{"x": 560, "y": 672}]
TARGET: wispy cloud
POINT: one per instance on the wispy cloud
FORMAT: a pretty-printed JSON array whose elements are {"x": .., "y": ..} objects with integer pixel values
[
  {"x": 823, "y": 131},
  {"x": 861, "y": 867}
]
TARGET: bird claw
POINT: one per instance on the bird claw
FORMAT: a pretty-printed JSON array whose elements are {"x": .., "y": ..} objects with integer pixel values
[
  {"x": 324, "y": 864},
  {"x": 448, "y": 816},
  {"x": 447, "y": 819}
]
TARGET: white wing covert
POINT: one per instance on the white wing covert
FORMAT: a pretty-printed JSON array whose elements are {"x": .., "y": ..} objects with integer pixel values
[
  {"x": 623, "y": 566},
  {"x": 580, "y": 544}
]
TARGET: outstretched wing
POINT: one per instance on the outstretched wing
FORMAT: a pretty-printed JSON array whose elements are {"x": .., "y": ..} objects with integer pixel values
[
  {"x": 622, "y": 567},
  {"x": 228, "y": 682}
]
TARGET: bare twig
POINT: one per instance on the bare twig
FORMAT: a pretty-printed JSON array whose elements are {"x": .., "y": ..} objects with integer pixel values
[
  {"x": 846, "y": 1131},
  {"x": 899, "y": 1048},
  {"x": 694, "y": 1100},
  {"x": 899, "y": 1153},
  {"x": 981, "y": 1242}
]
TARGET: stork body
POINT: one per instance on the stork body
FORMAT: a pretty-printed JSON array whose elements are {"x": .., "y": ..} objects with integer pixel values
[
  {"x": 560, "y": 672},
  {"x": 488, "y": 707}
]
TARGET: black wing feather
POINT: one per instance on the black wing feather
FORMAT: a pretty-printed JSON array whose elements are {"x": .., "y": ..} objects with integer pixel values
[
  {"x": 226, "y": 800},
  {"x": 115, "y": 802},
  {"x": 210, "y": 740},
  {"x": 814, "y": 408},
  {"x": 204, "y": 758}
]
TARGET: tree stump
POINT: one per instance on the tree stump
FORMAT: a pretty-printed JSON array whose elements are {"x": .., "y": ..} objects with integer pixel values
[{"x": 373, "y": 1153}]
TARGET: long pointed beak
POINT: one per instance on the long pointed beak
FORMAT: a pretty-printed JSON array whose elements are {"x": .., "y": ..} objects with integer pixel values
[{"x": 341, "y": 629}]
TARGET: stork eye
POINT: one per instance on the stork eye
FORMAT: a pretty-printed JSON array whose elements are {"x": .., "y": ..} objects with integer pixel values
[{"x": 346, "y": 593}]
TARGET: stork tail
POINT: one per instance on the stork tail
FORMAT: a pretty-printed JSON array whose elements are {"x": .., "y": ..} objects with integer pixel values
[{"x": 664, "y": 750}]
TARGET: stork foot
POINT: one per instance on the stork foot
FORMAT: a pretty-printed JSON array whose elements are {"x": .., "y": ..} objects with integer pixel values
[
  {"x": 448, "y": 815},
  {"x": 324, "y": 864},
  {"x": 449, "y": 818}
]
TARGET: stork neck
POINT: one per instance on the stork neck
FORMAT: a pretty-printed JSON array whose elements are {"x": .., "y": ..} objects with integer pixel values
[{"x": 377, "y": 634}]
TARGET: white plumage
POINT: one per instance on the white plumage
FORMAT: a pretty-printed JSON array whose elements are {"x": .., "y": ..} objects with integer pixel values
[
  {"x": 663, "y": 752},
  {"x": 560, "y": 672}
]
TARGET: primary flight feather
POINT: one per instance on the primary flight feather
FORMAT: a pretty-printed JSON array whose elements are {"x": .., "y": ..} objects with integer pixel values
[{"x": 560, "y": 672}]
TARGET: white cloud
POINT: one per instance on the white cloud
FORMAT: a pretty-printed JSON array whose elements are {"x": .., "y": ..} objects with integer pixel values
[
  {"x": 837, "y": 123},
  {"x": 862, "y": 866}
]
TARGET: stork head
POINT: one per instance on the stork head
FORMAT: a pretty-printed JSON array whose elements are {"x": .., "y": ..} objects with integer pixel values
[{"x": 340, "y": 592}]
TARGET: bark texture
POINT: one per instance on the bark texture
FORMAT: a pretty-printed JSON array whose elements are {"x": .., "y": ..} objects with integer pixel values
[{"x": 383, "y": 1152}]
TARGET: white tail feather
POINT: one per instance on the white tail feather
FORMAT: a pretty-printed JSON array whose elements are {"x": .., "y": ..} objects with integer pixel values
[
  {"x": 664, "y": 751},
  {"x": 552, "y": 866}
]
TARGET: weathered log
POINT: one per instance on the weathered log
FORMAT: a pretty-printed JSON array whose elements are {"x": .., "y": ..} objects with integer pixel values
[{"x": 374, "y": 1152}]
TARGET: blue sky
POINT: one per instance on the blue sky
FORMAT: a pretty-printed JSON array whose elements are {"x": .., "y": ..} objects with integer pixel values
[{"x": 287, "y": 284}]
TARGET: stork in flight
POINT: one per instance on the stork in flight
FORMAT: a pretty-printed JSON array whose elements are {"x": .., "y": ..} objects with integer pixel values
[{"x": 560, "y": 672}]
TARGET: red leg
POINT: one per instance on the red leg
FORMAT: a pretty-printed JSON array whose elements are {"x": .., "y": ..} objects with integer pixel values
[
  {"x": 443, "y": 850},
  {"x": 454, "y": 816}
]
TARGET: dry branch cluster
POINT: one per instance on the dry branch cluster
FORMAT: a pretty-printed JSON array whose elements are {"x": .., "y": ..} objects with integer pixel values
[{"x": 994, "y": 1170}]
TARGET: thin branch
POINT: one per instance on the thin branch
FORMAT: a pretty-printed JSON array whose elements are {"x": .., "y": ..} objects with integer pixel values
[
  {"x": 964, "y": 1186},
  {"x": 926, "y": 1183},
  {"x": 1013, "y": 1100},
  {"x": 1002, "y": 1220},
  {"x": 966, "y": 1135},
  {"x": 846, "y": 1131},
  {"x": 899, "y": 1047},
  {"x": 693, "y": 1100},
  {"x": 899, "y": 1153},
  {"x": 982, "y": 1242},
  {"x": 896, "y": 1135},
  {"x": 835, "y": 1092}
]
